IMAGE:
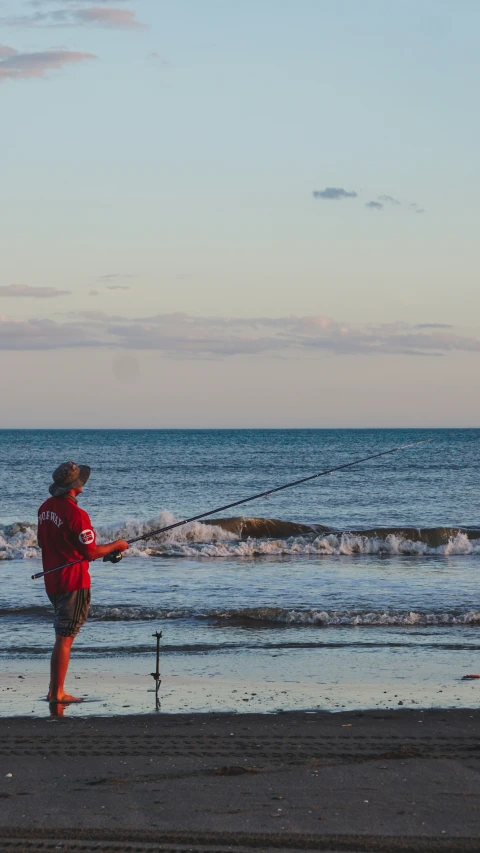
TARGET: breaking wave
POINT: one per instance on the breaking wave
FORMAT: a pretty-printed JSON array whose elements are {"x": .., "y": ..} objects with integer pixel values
[
  {"x": 276, "y": 616},
  {"x": 252, "y": 537},
  {"x": 268, "y": 616}
]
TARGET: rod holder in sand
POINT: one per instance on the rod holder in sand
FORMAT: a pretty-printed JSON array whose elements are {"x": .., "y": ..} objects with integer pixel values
[{"x": 156, "y": 674}]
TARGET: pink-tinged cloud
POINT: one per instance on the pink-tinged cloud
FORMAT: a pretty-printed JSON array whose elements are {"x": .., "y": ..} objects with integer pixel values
[
  {"x": 16, "y": 290},
  {"x": 22, "y": 66},
  {"x": 124, "y": 19},
  {"x": 6, "y": 51},
  {"x": 39, "y": 3},
  {"x": 107, "y": 17},
  {"x": 187, "y": 336}
]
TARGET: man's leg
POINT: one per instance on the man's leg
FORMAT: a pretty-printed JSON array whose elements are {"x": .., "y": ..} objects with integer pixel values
[
  {"x": 58, "y": 670},
  {"x": 71, "y": 612}
]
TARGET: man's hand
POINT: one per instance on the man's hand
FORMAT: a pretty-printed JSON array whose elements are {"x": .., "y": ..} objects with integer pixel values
[{"x": 104, "y": 550}]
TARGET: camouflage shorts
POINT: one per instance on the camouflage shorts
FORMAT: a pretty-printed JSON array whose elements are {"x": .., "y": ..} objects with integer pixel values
[{"x": 71, "y": 611}]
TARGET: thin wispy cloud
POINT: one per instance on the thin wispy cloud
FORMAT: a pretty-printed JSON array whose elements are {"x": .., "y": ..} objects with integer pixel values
[
  {"x": 15, "y": 65},
  {"x": 117, "y": 287},
  {"x": 186, "y": 336},
  {"x": 121, "y": 18},
  {"x": 6, "y": 51},
  {"x": 105, "y": 16},
  {"x": 339, "y": 193},
  {"x": 389, "y": 199},
  {"x": 39, "y": 3},
  {"x": 23, "y": 290},
  {"x": 434, "y": 326},
  {"x": 39, "y": 334},
  {"x": 334, "y": 193},
  {"x": 157, "y": 59},
  {"x": 114, "y": 276}
]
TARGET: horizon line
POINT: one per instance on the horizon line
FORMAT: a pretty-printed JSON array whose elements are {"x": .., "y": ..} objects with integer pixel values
[{"x": 233, "y": 429}]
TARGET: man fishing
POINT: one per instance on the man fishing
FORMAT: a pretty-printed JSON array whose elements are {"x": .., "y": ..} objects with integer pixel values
[{"x": 66, "y": 535}]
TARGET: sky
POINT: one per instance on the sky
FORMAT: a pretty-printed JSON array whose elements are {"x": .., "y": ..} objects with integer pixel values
[{"x": 239, "y": 214}]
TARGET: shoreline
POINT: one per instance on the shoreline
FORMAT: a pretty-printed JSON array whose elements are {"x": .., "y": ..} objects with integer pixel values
[
  {"x": 214, "y": 683},
  {"x": 466, "y": 721},
  {"x": 378, "y": 780}
]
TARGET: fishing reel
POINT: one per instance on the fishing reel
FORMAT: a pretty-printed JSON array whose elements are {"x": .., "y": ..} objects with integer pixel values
[{"x": 114, "y": 557}]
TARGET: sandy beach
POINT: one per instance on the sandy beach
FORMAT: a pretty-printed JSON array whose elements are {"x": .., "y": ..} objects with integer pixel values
[
  {"x": 206, "y": 685},
  {"x": 378, "y": 780}
]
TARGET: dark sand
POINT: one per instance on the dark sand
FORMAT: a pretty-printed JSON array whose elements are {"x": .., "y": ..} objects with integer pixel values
[{"x": 374, "y": 781}]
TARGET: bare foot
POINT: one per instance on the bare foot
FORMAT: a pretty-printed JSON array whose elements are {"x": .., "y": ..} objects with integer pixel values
[{"x": 62, "y": 697}]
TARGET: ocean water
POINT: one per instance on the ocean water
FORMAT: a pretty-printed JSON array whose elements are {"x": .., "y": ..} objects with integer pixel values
[{"x": 370, "y": 569}]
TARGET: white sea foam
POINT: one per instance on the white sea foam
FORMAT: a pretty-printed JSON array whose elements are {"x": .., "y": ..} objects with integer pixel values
[
  {"x": 284, "y": 616},
  {"x": 18, "y": 541},
  {"x": 201, "y": 541},
  {"x": 334, "y": 545},
  {"x": 270, "y": 616}
]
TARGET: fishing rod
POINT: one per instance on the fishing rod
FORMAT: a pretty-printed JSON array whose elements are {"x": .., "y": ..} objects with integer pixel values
[{"x": 116, "y": 556}]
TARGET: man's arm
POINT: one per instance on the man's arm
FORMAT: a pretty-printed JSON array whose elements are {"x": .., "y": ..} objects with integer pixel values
[
  {"x": 85, "y": 538},
  {"x": 93, "y": 552}
]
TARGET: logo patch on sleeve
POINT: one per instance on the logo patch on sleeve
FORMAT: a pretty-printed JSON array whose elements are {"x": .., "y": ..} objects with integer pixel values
[{"x": 87, "y": 537}]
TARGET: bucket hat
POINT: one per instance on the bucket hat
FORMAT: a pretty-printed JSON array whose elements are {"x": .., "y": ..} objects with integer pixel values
[{"x": 68, "y": 476}]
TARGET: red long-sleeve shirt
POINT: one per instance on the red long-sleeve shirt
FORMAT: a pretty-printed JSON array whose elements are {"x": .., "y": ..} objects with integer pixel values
[{"x": 65, "y": 534}]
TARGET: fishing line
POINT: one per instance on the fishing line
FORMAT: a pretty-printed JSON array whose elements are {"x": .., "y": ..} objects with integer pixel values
[{"x": 116, "y": 556}]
